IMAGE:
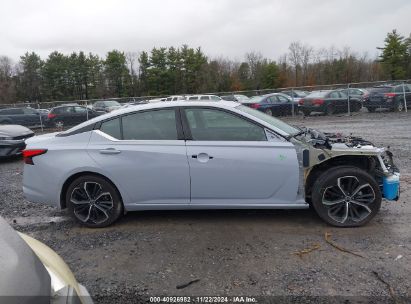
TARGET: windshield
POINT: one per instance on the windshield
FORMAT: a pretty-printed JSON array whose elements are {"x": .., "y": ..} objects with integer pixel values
[{"x": 276, "y": 123}]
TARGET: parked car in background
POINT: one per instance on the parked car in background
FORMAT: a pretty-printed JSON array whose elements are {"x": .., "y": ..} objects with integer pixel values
[
  {"x": 21, "y": 116},
  {"x": 388, "y": 97},
  {"x": 43, "y": 111},
  {"x": 328, "y": 102},
  {"x": 205, "y": 155},
  {"x": 154, "y": 100},
  {"x": 203, "y": 98},
  {"x": 361, "y": 94},
  {"x": 236, "y": 97},
  {"x": 296, "y": 95},
  {"x": 274, "y": 104},
  {"x": 31, "y": 272},
  {"x": 12, "y": 139},
  {"x": 61, "y": 116},
  {"x": 106, "y": 105},
  {"x": 175, "y": 98}
]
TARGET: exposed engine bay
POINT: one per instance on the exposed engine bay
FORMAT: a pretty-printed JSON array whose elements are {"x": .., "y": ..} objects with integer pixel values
[{"x": 329, "y": 140}]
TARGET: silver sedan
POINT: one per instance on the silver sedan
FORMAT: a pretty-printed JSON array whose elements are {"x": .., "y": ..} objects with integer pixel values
[{"x": 202, "y": 155}]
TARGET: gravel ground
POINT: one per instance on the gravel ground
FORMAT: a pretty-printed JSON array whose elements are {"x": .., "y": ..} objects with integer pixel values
[{"x": 235, "y": 253}]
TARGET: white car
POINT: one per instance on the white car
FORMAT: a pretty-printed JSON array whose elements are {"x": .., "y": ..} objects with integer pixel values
[
  {"x": 175, "y": 98},
  {"x": 205, "y": 155},
  {"x": 203, "y": 98}
]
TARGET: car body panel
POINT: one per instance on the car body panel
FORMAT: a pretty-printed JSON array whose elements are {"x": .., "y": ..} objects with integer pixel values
[
  {"x": 150, "y": 172},
  {"x": 242, "y": 172}
]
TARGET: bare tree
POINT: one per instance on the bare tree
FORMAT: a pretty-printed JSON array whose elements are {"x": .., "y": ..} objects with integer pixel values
[{"x": 295, "y": 58}]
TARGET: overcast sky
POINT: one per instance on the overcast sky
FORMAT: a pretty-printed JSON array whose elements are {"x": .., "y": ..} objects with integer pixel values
[{"x": 229, "y": 28}]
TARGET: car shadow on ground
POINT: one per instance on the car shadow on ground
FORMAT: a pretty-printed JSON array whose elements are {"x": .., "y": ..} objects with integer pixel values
[{"x": 224, "y": 216}]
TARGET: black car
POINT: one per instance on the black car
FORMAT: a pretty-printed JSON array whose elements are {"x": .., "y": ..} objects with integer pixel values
[
  {"x": 328, "y": 102},
  {"x": 275, "y": 104},
  {"x": 21, "y": 116},
  {"x": 69, "y": 116},
  {"x": 12, "y": 139},
  {"x": 361, "y": 94},
  {"x": 388, "y": 97}
]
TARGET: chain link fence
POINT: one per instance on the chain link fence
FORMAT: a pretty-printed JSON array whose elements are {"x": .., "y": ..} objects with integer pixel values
[{"x": 335, "y": 99}]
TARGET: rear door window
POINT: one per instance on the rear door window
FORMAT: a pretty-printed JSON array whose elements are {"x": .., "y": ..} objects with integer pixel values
[{"x": 150, "y": 125}]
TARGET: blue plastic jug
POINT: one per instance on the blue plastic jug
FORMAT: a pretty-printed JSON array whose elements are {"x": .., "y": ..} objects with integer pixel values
[{"x": 391, "y": 186}]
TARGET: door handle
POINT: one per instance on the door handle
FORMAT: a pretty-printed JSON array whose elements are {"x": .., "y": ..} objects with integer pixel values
[
  {"x": 202, "y": 157},
  {"x": 110, "y": 151}
]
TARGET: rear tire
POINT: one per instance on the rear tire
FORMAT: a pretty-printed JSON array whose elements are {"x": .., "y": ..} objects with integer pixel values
[
  {"x": 93, "y": 201},
  {"x": 59, "y": 124},
  {"x": 399, "y": 107},
  {"x": 306, "y": 112},
  {"x": 330, "y": 109},
  {"x": 268, "y": 112},
  {"x": 346, "y": 196}
]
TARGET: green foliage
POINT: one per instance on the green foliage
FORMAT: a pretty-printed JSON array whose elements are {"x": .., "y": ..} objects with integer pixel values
[
  {"x": 395, "y": 55},
  {"x": 186, "y": 70}
]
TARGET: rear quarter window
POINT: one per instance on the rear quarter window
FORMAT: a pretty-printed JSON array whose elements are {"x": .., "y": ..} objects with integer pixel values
[{"x": 112, "y": 128}]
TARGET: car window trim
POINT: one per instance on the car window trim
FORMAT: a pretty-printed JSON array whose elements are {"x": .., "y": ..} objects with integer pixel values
[{"x": 186, "y": 126}]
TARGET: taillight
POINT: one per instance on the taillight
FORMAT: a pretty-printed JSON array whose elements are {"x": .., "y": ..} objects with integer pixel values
[
  {"x": 318, "y": 101},
  {"x": 255, "y": 105},
  {"x": 29, "y": 154},
  {"x": 301, "y": 101},
  {"x": 389, "y": 96},
  {"x": 51, "y": 115}
]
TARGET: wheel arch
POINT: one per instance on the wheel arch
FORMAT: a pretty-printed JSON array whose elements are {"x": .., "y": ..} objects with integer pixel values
[
  {"x": 69, "y": 180},
  {"x": 364, "y": 162}
]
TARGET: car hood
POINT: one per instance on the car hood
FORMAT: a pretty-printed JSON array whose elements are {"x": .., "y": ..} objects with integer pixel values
[
  {"x": 22, "y": 272},
  {"x": 14, "y": 130}
]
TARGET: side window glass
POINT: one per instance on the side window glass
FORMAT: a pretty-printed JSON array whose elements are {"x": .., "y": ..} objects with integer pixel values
[
  {"x": 204, "y": 98},
  {"x": 112, "y": 128},
  {"x": 79, "y": 110},
  {"x": 282, "y": 99},
  {"x": 150, "y": 125},
  {"x": 334, "y": 95},
  {"x": 216, "y": 125}
]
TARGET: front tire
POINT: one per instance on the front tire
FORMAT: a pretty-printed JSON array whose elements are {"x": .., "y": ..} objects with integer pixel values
[
  {"x": 93, "y": 201},
  {"x": 346, "y": 197}
]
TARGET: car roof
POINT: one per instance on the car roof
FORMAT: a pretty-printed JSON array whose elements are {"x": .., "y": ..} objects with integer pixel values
[{"x": 224, "y": 104}]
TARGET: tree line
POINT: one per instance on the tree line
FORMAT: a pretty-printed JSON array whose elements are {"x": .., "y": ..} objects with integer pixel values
[{"x": 186, "y": 70}]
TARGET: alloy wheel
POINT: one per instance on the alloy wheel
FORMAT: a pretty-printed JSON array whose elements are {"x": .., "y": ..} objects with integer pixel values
[
  {"x": 91, "y": 203},
  {"x": 348, "y": 200},
  {"x": 269, "y": 112}
]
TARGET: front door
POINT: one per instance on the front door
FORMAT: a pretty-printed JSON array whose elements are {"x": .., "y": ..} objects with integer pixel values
[{"x": 232, "y": 162}]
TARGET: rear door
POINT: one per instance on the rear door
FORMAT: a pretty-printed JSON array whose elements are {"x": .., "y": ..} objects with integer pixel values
[
  {"x": 232, "y": 162},
  {"x": 144, "y": 154}
]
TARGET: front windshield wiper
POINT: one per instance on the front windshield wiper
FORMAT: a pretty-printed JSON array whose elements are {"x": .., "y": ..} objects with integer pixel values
[{"x": 301, "y": 132}]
